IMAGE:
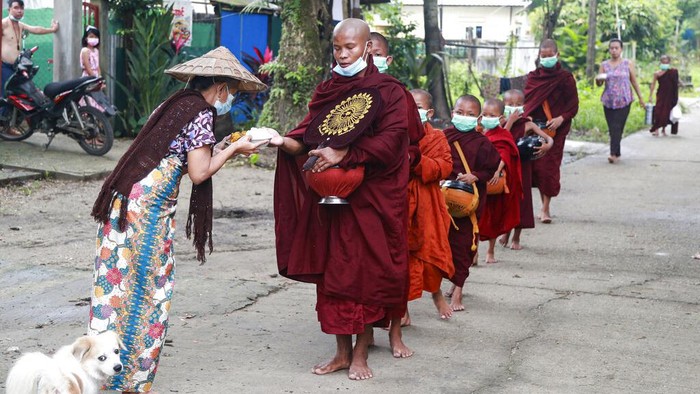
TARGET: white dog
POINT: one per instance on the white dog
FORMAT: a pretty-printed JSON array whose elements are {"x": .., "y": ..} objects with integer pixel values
[{"x": 80, "y": 368}]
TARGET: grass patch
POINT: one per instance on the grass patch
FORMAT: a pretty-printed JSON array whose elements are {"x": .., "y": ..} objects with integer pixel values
[{"x": 590, "y": 125}]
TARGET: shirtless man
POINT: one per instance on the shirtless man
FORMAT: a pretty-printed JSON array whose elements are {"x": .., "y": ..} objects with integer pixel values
[{"x": 12, "y": 29}]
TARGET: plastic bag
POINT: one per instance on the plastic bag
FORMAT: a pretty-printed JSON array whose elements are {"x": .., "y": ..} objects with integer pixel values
[{"x": 676, "y": 114}]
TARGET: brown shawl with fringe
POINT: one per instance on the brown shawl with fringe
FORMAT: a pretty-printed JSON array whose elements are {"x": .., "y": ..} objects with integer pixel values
[{"x": 145, "y": 153}]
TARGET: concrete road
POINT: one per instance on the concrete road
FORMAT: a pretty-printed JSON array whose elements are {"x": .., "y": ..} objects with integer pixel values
[{"x": 603, "y": 300}]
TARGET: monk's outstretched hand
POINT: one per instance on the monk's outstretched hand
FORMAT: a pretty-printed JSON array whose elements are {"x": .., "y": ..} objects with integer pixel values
[{"x": 327, "y": 158}]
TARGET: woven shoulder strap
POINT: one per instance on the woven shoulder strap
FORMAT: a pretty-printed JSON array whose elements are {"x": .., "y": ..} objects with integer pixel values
[{"x": 461, "y": 156}]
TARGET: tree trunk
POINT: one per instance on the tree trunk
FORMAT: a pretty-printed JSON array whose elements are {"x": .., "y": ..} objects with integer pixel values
[
  {"x": 590, "y": 53},
  {"x": 551, "y": 16},
  {"x": 433, "y": 44},
  {"x": 301, "y": 64}
]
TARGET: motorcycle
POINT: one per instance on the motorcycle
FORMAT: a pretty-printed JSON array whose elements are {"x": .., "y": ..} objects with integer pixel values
[{"x": 26, "y": 109}]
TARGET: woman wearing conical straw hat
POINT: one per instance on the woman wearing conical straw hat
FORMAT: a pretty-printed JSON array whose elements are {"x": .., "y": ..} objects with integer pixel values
[{"x": 134, "y": 266}]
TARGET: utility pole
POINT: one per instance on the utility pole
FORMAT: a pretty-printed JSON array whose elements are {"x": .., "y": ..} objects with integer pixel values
[
  {"x": 66, "y": 45},
  {"x": 618, "y": 22},
  {"x": 590, "y": 53}
]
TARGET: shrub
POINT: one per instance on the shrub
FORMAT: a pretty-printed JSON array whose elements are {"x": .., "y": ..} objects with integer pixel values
[
  {"x": 589, "y": 124},
  {"x": 151, "y": 55}
]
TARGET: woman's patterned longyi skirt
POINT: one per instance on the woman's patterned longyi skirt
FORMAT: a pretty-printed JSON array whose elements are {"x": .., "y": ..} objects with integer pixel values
[{"x": 134, "y": 272}]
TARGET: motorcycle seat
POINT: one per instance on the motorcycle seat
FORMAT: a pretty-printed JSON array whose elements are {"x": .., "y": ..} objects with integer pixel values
[{"x": 53, "y": 89}]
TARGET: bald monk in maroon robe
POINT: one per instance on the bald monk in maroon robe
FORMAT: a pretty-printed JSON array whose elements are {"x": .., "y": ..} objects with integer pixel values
[
  {"x": 356, "y": 254},
  {"x": 557, "y": 86},
  {"x": 483, "y": 160},
  {"x": 520, "y": 127},
  {"x": 666, "y": 97},
  {"x": 502, "y": 211}
]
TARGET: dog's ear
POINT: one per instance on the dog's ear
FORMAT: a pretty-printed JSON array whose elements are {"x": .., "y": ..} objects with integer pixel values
[{"x": 81, "y": 346}]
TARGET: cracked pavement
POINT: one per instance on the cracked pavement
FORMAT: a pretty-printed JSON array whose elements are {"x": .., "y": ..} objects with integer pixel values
[{"x": 605, "y": 299}]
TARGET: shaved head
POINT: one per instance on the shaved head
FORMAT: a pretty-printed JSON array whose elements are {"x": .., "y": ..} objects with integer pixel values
[
  {"x": 496, "y": 104},
  {"x": 353, "y": 27},
  {"x": 379, "y": 41},
  {"x": 514, "y": 95},
  {"x": 425, "y": 95},
  {"x": 549, "y": 44},
  {"x": 471, "y": 100}
]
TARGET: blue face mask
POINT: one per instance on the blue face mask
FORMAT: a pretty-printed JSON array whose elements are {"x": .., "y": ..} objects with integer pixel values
[
  {"x": 548, "y": 62},
  {"x": 510, "y": 109},
  {"x": 490, "y": 122},
  {"x": 664, "y": 67},
  {"x": 423, "y": 114},
  {"x": 352, "y": 70},
  {"x": 224, "y": 108},
  {"x": 13, "y": 19},
  {"x": 464, "y": 123},
  {"x": 380, "y": 62}
]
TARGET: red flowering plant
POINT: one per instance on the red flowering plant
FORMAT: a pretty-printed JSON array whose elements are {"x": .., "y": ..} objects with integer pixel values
[{"x": 247, "y": 107}]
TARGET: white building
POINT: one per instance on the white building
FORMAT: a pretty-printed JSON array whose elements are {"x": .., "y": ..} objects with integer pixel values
[
  {"x": 490, "y": 20},
  {"x": 486, "y": 24}
]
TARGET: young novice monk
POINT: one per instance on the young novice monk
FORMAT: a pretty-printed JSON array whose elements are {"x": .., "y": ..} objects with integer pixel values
[
  {"x": 520, "y": 127},
  {"x": 430, "y": 258},
  {"x": 502, "y": 211},
  {"x": 666, "y": 96},
  {"x": 380, "y": 51},
  {"x": 483, "y": 160}
]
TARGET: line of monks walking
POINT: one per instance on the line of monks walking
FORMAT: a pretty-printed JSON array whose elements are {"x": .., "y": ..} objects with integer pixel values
[{"x": 397, "y": 237}]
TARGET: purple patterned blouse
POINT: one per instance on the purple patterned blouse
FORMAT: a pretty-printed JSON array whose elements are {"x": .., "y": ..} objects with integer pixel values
[
  {"x": 618, "y": 92},
  {"x": 196, "y": 134}
]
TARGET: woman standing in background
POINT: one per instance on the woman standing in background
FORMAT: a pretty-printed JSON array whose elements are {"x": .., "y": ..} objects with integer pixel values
[{"x": 617, "y": 74}]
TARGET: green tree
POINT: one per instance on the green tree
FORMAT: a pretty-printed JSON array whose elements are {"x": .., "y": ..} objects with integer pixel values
[
  {"x": 304, "y": 55},
  {"x": 641, "y": 20},
  {"x": 147, "y": 84},
  {"x": 548, "y": 12},
  {"x": 405, "y": 48}
]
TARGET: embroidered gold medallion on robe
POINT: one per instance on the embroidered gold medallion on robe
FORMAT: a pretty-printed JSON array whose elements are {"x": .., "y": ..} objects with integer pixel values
[{"x": 345, "y": 119}]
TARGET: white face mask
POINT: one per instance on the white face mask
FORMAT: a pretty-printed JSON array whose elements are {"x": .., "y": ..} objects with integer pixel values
[
  {"x": 224, "y": 108},
  {"x": 353, "y": 69},
  {"x": 13, "y": 19},
  {"x": 510, "y": 109},
  {"x": 380, "y": 62},
  {"x": 423, "y": 114}
]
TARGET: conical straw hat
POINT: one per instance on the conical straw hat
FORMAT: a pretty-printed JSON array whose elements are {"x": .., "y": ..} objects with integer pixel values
[{"x": 219, "y": 62}]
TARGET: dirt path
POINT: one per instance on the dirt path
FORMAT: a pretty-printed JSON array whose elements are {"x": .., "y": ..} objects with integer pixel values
[{"x": 603, "y": 300}]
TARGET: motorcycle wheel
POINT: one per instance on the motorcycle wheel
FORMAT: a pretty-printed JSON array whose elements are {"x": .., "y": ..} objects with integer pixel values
[
  {"x": 101, "y": 136},
  {"x": 14, "y": 131}
]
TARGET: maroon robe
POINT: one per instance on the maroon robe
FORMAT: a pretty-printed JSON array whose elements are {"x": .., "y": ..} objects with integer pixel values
[
  {"x": 666, "y": 99},
  {"x": 527, "y": 216},
  {"x": 357, "y": 254},
  {"x": 502, "y": 211},
  {"x": 558, "y": 87},
  {"x": 483, "y": 160}
]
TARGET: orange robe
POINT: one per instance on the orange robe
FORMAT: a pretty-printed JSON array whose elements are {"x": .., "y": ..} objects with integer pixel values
[
  {"x": 430, "y": 258},
  {"x": 502, "y": 211}
]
